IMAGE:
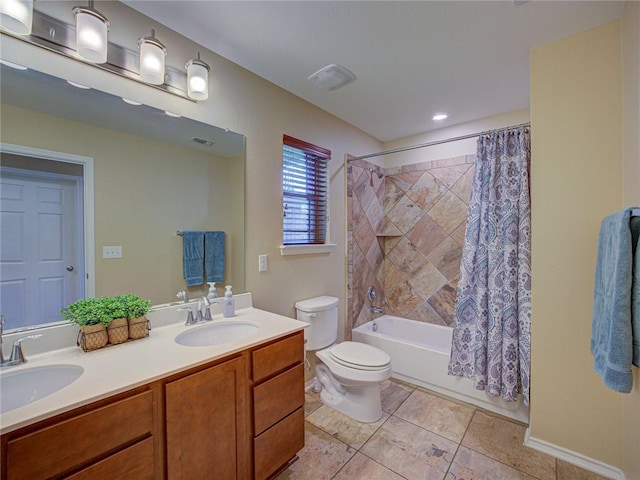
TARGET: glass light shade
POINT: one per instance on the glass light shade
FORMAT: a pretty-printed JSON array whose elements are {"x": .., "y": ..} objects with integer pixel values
[
  {"x": 197, "y": 79},
  {"x": 152, "y": 54},
  {"x": 91, "y": 35},
  {"x": 16, "y": 16}
]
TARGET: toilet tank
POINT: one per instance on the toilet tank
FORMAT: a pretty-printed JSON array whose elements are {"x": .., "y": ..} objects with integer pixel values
[{"x": 321, "y": 313}]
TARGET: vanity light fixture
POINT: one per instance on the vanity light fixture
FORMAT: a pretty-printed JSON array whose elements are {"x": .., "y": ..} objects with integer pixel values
[
  {"x": 12, "y": 65},
  {"x": 197, "y": 78},
  {"x": 16, "y": 16},
  {"x": 131, "y": 102},
  {"x": 152, "y": 54},
  {"x": 78, "y": 85},
  {"x": 438, "y": 117},
  {"x": 91, "y": 34}
]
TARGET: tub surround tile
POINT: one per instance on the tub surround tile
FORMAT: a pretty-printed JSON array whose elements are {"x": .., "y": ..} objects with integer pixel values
[
  {"x": 450, "y": 175},
  {"x": 375, "y": 215},
  {"x": 406, "y": 256},
  {"x": 404, "y": 181},
  {"x": 361, "y": 467},
  {"x": 427, "y": 280},
  {"x": 405, "y": 214},
  {"x": 436, "y": 414},
  {"x": 444, "y": 302},
  {"x": 470, "y": 465},
  {"x": 411, "y": 451},
  {"x": 426, "y": 235},
  {"x": 502, "y": 440},
  {"x": 426, "y": 313},
  {"x": 426, "y": 191},
  {"x": 375, "y": 256},
  {"x": 449, "y": 212},
  {"x": 446, "y": 258},
  {"x": 403, "y": 299},
  {"x": 392, "y": 193},
  {"x": 458, "y": 234},
  {"x": 320, "y": 459},
  {"x": 393, "y": 394},
  {"x": 344, "y": 428},
  {"x": 463, "y": 186}
]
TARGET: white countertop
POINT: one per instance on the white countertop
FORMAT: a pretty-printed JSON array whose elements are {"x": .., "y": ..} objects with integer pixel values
[{"x": 119, "y": 368}]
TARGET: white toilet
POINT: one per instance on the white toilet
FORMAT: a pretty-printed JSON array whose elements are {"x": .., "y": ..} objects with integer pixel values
[{"x": 350, "y": 372}]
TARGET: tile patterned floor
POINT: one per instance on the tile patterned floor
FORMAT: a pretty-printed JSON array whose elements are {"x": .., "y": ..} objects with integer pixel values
[{"x": 421, "y": 435}]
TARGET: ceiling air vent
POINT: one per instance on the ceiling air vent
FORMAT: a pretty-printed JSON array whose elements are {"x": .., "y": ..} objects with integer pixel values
[
  {"x": 203, "y": 141},
  {"x": 332, "y": 77}
]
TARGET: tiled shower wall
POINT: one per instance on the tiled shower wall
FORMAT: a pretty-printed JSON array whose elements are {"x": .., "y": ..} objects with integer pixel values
[{"x": 405, "y": 235}]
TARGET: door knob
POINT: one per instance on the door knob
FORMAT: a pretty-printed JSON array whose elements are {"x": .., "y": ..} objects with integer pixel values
[{"x": 70, "y": 268}]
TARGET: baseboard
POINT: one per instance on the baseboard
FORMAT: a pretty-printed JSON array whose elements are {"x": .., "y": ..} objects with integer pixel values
[{"x": 582, "y": 461}]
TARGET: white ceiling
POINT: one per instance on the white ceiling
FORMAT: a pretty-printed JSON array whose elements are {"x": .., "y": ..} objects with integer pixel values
[{"x": 412, "y": 58}]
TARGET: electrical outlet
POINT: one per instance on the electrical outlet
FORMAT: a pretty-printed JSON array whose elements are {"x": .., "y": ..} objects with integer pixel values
[
  {"x": 112, "y": 252},
  {"x": 262, "y": 263}
]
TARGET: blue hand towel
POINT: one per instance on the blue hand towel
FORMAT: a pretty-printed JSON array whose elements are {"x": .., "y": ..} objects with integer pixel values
[
  {"x": 193, "y": 257},
  {"x": 635, "y": 290},
  {"x": 611, "y": 335},
  {"x": 214, "y": 256}
]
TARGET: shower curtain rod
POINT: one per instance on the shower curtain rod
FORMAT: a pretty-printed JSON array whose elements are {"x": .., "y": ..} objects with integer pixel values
[{"x": 437, "y": 142}]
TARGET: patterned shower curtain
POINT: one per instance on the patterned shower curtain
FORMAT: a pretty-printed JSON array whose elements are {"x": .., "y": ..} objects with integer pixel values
[{"x": 491, "y": 326}]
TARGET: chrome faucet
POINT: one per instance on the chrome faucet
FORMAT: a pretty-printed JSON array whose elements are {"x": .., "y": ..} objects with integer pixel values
[
  {"x": 204, "y": 308},
  {"x": 376, "y": 309},
  {"x": 371, "y": 295},
  {"x": 190, "y": 319},
  {"x": 17, "y": 356}
]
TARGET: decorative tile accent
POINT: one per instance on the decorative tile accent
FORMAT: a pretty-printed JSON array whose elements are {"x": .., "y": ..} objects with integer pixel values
[
  {"x": 411, "y": 451},
  {"x": 320, "y": 459},
  {"x": 502, "y": 440},
  {"x": 344, "y": 428},
  {"x": 470, "y": 465},
  {"x": 444, "y": 417}
]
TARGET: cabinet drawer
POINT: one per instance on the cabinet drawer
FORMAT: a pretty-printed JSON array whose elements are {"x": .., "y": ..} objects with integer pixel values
[
  {"x": 277, "y": 356},
  {"x": 279, "y": 444},
  {"x": 277, "y": 398},
  {"x": 133, "y": 463},
  {"x": 66, "y": 444}
]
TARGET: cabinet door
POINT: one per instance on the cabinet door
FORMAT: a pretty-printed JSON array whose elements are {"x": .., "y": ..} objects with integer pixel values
[{"x": 206, "y": 424}]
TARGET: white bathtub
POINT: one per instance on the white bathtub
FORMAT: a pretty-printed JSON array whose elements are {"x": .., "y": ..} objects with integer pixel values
[{"x": 420, "y": 355}]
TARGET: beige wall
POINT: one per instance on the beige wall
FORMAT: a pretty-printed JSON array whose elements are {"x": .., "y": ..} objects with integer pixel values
[
  {"x": 245, "y": 103},
  {"x": 576, "y": 178},
  {"x": 631, "y": 196},
  {"x": 143, "y": 195}
]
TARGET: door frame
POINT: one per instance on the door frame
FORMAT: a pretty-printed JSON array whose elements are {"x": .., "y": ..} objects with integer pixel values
[{"x": 87, "y": 203}]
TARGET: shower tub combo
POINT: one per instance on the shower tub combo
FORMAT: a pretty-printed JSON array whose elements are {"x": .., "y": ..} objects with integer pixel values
[{"x": 420, "y": 353}]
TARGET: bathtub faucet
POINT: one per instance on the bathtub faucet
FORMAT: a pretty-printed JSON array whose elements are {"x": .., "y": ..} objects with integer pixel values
[{"x": 376, "y": 309}]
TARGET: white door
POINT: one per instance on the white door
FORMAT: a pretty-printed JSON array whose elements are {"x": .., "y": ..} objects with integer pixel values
[{"x": 41, "y": 246}]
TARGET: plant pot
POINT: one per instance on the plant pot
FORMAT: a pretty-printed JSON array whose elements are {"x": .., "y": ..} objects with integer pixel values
[
  {"x": 93, "y": 337},
  {"x": 118, "y": 330},
  {"x": 138, "y": 327}
]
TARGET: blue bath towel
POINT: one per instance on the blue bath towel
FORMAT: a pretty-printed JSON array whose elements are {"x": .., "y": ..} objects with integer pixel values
[
  {"x": 635, "y": 290},
  {"x": 611, "y": 331},
  {"x": 214, "y": 256},
  {"x": 193, "y": 257}
]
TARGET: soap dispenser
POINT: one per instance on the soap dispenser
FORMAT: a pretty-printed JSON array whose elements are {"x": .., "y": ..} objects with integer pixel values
[{"x": 228, "y": 303}]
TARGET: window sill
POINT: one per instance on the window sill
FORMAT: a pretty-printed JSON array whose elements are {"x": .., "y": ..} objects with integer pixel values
[{"x": 306, "y": 249}]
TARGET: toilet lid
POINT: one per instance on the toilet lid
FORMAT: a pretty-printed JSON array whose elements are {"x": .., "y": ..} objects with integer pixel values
[{"x": 360, "y": 355}]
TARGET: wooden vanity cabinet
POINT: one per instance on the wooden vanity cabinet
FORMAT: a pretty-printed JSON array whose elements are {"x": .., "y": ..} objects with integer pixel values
[
  {"x": 207, "y": 424},
  {"x": 278, "y": 405},
  {"x": 94, "y": 442}
]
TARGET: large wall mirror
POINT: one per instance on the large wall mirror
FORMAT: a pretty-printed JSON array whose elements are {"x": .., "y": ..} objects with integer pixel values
[{"x": 154, "y": 175}]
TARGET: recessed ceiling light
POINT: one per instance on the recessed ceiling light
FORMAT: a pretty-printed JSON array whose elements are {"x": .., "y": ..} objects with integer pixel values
[
  {"x": 171, "y": 114},
  {"x": 130, "y": 102},
  {"x": 12, "y": 65},
  {"x": 438, "y": 117},
  {"x": 78, "y": 85}
]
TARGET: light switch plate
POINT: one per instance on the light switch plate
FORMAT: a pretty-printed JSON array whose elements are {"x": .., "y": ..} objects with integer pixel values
[{"x": 262, "y": 263}]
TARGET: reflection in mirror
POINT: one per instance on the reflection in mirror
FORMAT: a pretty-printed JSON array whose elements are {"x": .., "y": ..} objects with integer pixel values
[{"x": 153, "y": 175}]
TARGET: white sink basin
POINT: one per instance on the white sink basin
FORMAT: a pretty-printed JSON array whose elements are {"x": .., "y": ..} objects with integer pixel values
[
  {"x": 26, "y": 386},
  {"x": 220, "y": 331}
]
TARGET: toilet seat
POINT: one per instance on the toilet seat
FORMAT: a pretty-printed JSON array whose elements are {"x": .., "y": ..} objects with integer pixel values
[{"x": 359, "y": 356}]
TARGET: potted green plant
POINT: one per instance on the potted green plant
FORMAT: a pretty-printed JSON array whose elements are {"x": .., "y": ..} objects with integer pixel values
[
  {"x": 92, "y": 318},
  {"x": 137, "y": 309},
  {"x": 118, "y": 327}
]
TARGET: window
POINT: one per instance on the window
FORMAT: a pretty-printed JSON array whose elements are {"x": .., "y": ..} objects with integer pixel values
[{"x": 304, "y": 186}]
